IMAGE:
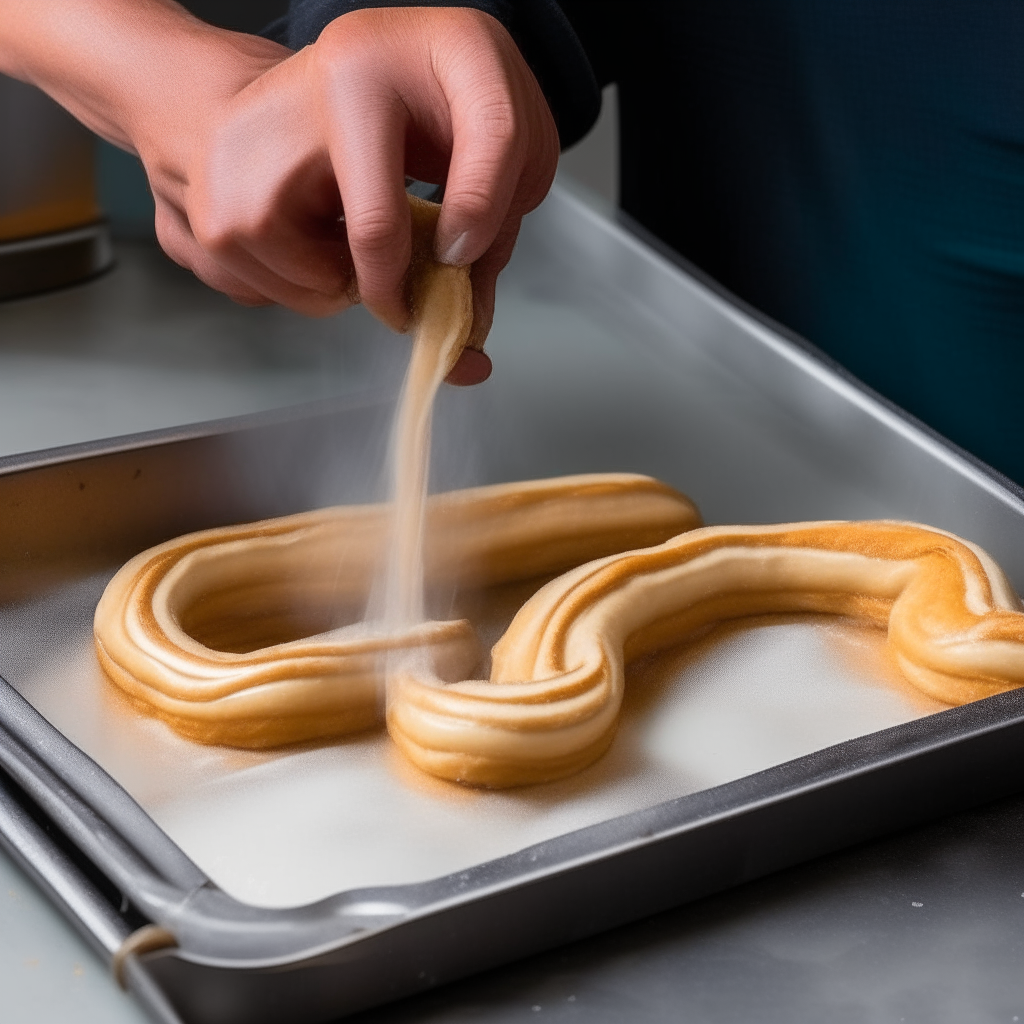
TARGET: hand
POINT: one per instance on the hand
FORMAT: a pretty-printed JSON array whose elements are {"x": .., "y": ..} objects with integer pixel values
[
  {"x": 442, "y": 95},
  {"x": 254, "y": 154}
]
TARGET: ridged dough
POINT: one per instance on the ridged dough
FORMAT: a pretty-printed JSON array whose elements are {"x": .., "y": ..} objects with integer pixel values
[
  {"x": 552, "y": 702},
  {"x": 249, "y": 591},
  {"x": 212, "y": 632}
]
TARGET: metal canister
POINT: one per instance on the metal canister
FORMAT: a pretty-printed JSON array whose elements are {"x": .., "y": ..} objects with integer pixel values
[{"x": 52, "y": 232}]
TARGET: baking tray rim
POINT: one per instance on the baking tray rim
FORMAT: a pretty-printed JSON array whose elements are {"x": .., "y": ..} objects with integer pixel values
[
  {"x": 120, "y": 840},
  {"x": 587, "y": 206},
  {"x": 794, "y": 347},
  {"x": 23, "y": 732}
]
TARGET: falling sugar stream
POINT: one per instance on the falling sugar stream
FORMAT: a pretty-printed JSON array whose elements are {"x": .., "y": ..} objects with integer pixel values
[{"x": 441, "y": 299}]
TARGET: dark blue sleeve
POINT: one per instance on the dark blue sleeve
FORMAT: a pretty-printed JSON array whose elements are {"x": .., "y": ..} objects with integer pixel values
[{"x": 540, "y": 28}]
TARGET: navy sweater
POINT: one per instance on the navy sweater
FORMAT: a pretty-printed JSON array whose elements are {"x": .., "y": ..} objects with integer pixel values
[{"x": 854, "y": 168}]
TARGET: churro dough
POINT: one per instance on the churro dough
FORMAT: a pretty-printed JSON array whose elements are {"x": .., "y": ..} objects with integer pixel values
[
  {"x": 226, "y": 634},
  {"x": 551, "y": 704}
]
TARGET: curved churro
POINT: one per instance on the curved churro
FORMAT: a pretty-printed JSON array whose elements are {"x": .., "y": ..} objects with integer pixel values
[
  {"x": 227, "y": 634},
  {"x": 551, "y": 705},
  {"x": 211, "y": 631}
]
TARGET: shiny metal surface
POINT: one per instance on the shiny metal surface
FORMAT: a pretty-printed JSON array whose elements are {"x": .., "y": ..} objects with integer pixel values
[
  {"x": 149, "y": 347},
  {"x": 922, "y": 927},
  {"x": 285, "y": 828},
  {"x": 31, "y": 265},
  {"x": 48, "y": 971},
  {"x": 51, "y": 232},
  {"x": 607, "y": 357},
  {"x": 47, "y": 180}
]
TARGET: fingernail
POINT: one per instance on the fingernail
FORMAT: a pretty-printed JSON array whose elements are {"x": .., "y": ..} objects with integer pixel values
[{"x": 455, "y": 254}]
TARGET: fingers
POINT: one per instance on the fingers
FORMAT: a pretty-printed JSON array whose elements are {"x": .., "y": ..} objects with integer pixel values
[
  {"x": 366, "y": 121},
  {"x": 176, "y": 239},
  {"x": 369, "y": 168},
  {"x": 294, "y": 192},
  {"x": 294, "y": 269},
  {"x": 472, "y": 367},
  {"x": 482, "y": 179},
  {"x": 504, "y": 146},
  {"x": 274, "y": 227},
  {"x": 484, "y": 277}
]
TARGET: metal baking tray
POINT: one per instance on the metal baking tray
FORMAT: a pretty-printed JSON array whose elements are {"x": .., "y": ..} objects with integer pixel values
[{"x": 302, "y": 884}]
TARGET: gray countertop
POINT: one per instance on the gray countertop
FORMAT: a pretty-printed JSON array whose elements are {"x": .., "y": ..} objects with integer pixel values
[
  {"x": 923, "y": 928},
  {"x": 927, "y": 926},
  {"x": 148, "y": 346}
]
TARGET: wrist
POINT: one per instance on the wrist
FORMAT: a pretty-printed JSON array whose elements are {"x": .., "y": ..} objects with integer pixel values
[{"x": 133, "y": 71}]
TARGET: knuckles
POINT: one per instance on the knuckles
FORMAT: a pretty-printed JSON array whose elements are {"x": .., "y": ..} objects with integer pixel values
[
  {"x": 230, "y": 206},
  {"x": 170, "y": 236},
  {"x": 221, "y": 231},
  {"x": 240, "y": 192},
  {"x": 376, "y": 234},
  {"x": 496, "y": 117},
  {"x": 473, "y": 202}
]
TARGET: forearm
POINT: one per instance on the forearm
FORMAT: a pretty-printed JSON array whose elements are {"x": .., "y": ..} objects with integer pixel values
[{"x": 124, "y": 67}]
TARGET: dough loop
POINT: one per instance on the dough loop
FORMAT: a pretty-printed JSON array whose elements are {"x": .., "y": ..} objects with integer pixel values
[
  {"x": 230, "y": 635},
  {"x": 551, "y": 705}
]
